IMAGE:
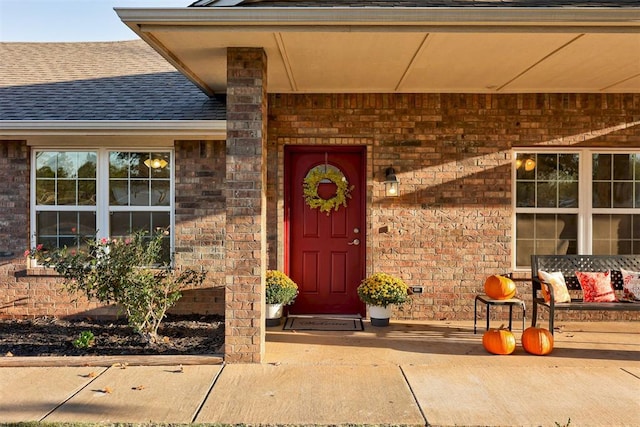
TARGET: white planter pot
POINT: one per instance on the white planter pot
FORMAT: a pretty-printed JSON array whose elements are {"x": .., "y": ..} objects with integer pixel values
[
  {"x": 273, "y": 314},
  {"x": 379, "y": 315}
]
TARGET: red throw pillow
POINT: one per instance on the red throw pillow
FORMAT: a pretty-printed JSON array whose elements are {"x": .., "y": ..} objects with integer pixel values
[{"x": 596, "y": 287}]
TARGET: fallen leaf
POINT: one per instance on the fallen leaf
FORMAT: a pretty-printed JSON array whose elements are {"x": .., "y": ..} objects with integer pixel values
[
  {"x": 124, "y": 365},
  {"x": 9, "y": 354},
  {"x": 165, "y": 340},
  {"x": 107, "y": 390},
  {"x": 140, "y": 387},
  {"x": 91, "y": 374}
]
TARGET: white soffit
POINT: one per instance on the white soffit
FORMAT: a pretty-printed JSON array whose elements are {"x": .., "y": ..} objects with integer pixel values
[{"x": 431, "y": 50}]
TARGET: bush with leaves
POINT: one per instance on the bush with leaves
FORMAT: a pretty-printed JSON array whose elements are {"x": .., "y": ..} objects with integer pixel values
[{"x": 128, "y": 272}]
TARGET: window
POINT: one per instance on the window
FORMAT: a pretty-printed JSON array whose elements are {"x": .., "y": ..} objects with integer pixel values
[
  {"x": 576, "y": 202},
  {"x": 80, "y": 194}
]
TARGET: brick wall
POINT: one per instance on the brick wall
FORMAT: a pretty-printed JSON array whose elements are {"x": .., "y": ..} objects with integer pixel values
[
  {"x": 200, "y": 222},
  {"x": 451, "y": 227}
]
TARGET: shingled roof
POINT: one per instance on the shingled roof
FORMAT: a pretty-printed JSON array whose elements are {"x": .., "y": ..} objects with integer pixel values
[
  {"x": 418, "y": 3},
  {"x": 97, "y": 81}
]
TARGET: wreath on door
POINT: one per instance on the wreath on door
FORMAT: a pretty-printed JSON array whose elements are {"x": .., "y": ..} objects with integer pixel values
[{"x": 321, "y": 174}]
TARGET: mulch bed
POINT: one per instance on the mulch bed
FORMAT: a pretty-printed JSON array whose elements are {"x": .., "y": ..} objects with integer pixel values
[{"x": 48, "y": 336}]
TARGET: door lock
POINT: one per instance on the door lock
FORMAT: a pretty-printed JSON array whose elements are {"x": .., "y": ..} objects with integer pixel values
[{"x": 355, "y": 242}]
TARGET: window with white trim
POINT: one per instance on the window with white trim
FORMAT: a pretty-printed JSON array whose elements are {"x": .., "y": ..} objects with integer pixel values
[
  {"x": 84, "y": 194},
  {"x": 576, "y": 202}
]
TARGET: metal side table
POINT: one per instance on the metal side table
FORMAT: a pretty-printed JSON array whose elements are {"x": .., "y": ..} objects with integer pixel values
[{"x": 488, "y": 301}]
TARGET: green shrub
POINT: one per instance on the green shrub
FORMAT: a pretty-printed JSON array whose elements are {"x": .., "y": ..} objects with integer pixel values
[{"x": 129, "y": 272}]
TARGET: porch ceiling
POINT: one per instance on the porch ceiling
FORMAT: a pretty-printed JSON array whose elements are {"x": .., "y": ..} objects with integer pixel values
[{"x": 355, "y": 50}]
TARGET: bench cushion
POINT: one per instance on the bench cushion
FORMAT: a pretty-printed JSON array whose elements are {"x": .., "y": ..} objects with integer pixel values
[
  {"x": 630, "y": 284},
  {"x": 557, "y": 283},
  {"x": 596, "y": 286}
]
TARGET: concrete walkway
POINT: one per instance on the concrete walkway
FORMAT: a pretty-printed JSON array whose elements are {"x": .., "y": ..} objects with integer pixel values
[{"x": 410, "y": 373}]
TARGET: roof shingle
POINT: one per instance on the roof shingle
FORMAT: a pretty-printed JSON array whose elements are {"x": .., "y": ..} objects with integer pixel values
[{"x": 97, "y": 81}]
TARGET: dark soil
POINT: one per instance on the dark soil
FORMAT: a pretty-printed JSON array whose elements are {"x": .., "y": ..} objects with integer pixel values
[{"x": 186, "y": 335}]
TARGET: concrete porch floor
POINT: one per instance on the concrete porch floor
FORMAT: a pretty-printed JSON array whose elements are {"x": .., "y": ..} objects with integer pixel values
[
  {"x": 406, "y": 342},
  {"x": 410, "y": 373},
  {"x": 591, "y": 378}
]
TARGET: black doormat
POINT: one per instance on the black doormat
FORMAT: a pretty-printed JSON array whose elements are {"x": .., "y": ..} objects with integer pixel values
[{"x": 323, "y": 323}]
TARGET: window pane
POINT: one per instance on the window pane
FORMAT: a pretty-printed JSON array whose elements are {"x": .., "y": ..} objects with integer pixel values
[
  {"x": 118, "y": 165},
  {"x": 87, "y": 224},
  {"x": 120, "y": 224},
  {"x": 623, "y": 194},
  {"x": 622, "y": 167},
  {"x": 614, "y": 234},
  {"x": 547, "y": 195},
  {"x": 67, "y": 165},
  {"x": 66, "y": 192},
  {"x": 568, "y": 167},
  {"x": 160, "y": 193},
  {"x": 568, "y": 195},
  {"x": 160, "y": 220},
  {"x": 87, "y": 165},
  {"x": 47, "y": 223},
  {"x": 45, "y": 192},
  {"x": 159, "y": 165},
  {"x": 46, "y": 164},
  {"x": 525, "y": 166},
  {"x": 524, "y": 249},
  {"x": 602, "y": 167},
  {"x": 138, "y": 167},
  {"x": 547, "y": 167},
  {"x": 524, "y": 226},
  {"x": 118, "y": 192},
  {"x": 87, "y": 192},
  {"x": 141, "y": 221},
  {"x": 139, "y": 193},
  {"x": 601, "y": 195},
  {"x": 526, "y": 194}
]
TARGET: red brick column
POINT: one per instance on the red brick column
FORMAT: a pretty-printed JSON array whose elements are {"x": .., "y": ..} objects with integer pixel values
[{"x": 245, "y": 244}]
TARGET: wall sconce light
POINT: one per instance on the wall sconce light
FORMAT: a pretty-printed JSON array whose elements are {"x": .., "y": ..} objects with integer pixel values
[
  {"x": 156, "y": 163},
  {"x": 391, "y": 183}
]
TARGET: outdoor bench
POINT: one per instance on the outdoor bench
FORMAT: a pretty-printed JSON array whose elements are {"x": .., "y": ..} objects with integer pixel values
[{"x": 568, "y": 265}]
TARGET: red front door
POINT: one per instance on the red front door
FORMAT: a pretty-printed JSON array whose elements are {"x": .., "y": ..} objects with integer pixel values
[{"x": 325, "y": 252}]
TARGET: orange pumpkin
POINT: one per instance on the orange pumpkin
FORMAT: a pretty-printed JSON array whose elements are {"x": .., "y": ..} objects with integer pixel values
[
  {"x": 499, "y": 341},
  {"x": 537, "y": 341},
  {"x": 499, "y": 287}
]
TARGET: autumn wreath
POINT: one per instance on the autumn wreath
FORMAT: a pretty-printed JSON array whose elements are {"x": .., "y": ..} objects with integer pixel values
[{"x": 314, "y": 178}]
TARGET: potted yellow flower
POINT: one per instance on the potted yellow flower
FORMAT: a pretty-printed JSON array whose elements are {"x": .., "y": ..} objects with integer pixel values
[
  {"x": 379, "y": 291},
  {"x": 280, "y": 291}
]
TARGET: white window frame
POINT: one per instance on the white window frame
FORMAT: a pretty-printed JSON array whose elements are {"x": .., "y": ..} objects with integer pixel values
[
  {"x": 585, "y": 210},
  {"x": 102, "y": 207}
]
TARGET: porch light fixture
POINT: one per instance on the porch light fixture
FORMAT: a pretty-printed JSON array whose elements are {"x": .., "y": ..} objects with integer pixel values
[
  {"x": 156, "y": 163},
  {"x": 391, "y": 183}
]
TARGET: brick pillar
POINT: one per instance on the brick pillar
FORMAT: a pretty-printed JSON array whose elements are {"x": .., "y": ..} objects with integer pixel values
[{"x": 246, "y": 243}]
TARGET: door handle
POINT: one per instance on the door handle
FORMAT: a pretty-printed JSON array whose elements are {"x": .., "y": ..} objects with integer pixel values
[{"x": 355, "y": 242}]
